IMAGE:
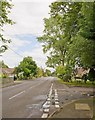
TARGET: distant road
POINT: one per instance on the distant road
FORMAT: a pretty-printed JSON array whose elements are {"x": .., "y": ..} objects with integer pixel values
[{"x": 25, "y": 100}]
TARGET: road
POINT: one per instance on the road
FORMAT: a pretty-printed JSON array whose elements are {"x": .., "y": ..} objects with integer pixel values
[{"x": 26, "y": 100}]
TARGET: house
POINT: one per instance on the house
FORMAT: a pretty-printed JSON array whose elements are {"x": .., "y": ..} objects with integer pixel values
[
  {"x": 8, "y": 72},
  {"x": 79, "y": 72},
  {"x": 7, "y": 75}
]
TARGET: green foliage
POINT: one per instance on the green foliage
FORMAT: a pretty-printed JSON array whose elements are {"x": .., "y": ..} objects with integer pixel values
[
  {"x": 85, "y": 77},
  {"x": 63, "y": 72},
  {"x": 4, "y": 76},
  {"x": 78, "y": 84},
  {"x": 87, "y": 27},
  {"x": 27, "y": 68},
  {"x": 91, "y": 75},
  {"x": 60, "y": 71},
  {"x": 48, "y": 72},
  {"x": 67, "y": 77},
  {"x": 69, "y": 36},
  {"x": 40, "y": 72},
  {"x": 5, "y": 7},
  {"x": 3, "y": 65},
  {"x": 81, "y": 52}
]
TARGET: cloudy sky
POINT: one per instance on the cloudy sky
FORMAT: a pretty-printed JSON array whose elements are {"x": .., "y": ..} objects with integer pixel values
[{"x": 28, "y": 15}]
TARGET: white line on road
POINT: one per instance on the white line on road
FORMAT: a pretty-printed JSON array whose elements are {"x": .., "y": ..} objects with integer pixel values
[
  {"x": 56, "y": 99},
  {"x": 46, "y": 110},
  {"x": 45, "y": 115},
  {"x": 16, "y": 95},
  {"x": 57, "y": 106}
]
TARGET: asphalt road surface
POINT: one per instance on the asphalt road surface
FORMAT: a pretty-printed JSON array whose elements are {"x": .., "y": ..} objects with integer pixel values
[{"x": 26, "y": 100}]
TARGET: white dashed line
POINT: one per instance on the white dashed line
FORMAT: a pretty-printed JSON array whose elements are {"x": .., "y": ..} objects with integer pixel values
[
  {"x": 57, "y": 106},
  {"x": 48, "y": 99},
  {"x": 16, "y": 95},
  {"x": 56, "y": 99},
  {"x": 46, "y": 110},
  {"x": 45, "y": 115},
  {"x": 46, "y": 105},
  {"x": 56, "y": 102}
]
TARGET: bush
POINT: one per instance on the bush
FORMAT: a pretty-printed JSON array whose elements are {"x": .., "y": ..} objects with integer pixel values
[
  {"x": 91, "y": 75},
  {"x": 67, "y": 77}
]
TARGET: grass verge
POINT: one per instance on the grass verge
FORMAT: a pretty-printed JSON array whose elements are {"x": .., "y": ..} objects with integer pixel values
[{"x": 77, "y": 84}]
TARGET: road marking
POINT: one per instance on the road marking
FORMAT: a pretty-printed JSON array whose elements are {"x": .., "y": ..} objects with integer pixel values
[
  {"x": 46, "y": 110},
  {"x": 56, "y": 99},
  {"x": 46, "y": 106},
  {"x": 45, "y": 115},
  {"x": 56, "y": 95},
  {"x": 48, "y": 99},
  {"x": 57, "y": 106},
  {"x": 16, "y": 95},
  {"x": 56, "y": 102}
]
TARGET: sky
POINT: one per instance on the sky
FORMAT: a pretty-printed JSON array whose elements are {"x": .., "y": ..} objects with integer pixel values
[{"x": 28, "y": 15}]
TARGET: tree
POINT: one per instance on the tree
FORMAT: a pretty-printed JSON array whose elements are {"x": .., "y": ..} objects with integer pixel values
[
  {"x": 87, "y": 30},
  {"x": 48, "y": 72},
  {"x": 69, "y": 34},
  {"x": 5, "y": 7},
  {"x": 83, "y": 45},
  {"x": 40, "y": 72},
  {"x": 59, "y": 29},
  {"x": 91, "y": 75},
  {"x": 27, "y": 68},
  {"x": 60, "y": 71},
  {"x": 3, "y": 65}
]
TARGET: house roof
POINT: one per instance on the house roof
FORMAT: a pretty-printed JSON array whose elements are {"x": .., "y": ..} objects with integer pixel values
[
  {"x": 7, "y": 70},
  {"x": 81, "y": 71}
]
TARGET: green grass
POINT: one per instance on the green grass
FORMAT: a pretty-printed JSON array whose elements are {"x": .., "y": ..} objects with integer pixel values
[{"x": 75, "y": 83}]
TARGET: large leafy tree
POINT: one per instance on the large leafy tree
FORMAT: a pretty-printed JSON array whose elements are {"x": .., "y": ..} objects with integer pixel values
[
  {"x": 27, "y": 67},
  {"x": 5, "y": 7},
  {"x": 40, "y": 72},
  {"x": 48, "y": 72},
  {"x": 83, "y": 45},
  {"x": 69, "y": 34},
  {"x": 59, "y": 29}
]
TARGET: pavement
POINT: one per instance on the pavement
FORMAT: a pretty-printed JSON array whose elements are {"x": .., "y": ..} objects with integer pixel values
[
  {"x": 82, "y": 108},
  {"x": 40, "y": 98},
  {"x": 75, "y": 103}
]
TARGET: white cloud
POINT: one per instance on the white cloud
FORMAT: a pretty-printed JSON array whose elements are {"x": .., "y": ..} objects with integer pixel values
[
  {"x": 11, "y": 57},
  {"x": 29, "y": 20},
  {"x": 38, "y": 55},
  {"x": 19, "y": 43},
  {"x": 28, "y": 17}
]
